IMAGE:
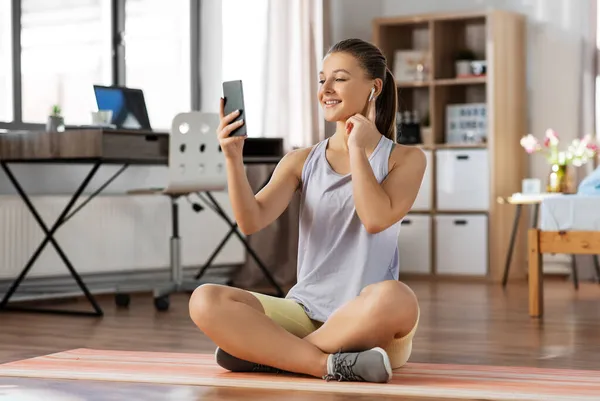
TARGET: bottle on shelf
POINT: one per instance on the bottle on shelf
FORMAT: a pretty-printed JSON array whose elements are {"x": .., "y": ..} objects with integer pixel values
[{"x": 409, "y": 127}]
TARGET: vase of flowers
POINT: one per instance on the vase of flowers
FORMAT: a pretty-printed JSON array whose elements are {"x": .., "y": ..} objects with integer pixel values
[{"x": 578, "y": 153}]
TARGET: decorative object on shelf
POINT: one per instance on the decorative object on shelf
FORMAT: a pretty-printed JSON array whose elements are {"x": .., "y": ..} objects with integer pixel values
[
  {"x": 578, "y": 153},
  {"x": 462, "y": 63},
  {"x": 466, "y": 123},
  {"x": 411, "y": 66},
  {"x": 426, "y": 131},
  {"x": 56, "y": 122},
  {"x": 408, "y": 126},
  {"x": 467, "y": 65}
]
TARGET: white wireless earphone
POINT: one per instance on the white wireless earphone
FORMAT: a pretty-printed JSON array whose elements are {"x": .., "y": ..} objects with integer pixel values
[{"x": 371, "y": 95}]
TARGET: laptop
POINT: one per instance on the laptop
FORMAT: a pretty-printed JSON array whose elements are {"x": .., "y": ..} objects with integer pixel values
[{"x": 128, "y": 106}]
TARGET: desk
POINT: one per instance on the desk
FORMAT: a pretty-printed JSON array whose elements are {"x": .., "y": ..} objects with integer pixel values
[{"x": 97, "y": 147}]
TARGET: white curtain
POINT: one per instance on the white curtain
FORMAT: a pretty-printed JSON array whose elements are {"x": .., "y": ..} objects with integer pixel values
[
  {"x": 293, "y": 54},
  {"x": 279, "y": 65}
]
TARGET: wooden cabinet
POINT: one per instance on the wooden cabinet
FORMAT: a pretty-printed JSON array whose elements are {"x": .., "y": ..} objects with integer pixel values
[{"x": 493, "y": 81}]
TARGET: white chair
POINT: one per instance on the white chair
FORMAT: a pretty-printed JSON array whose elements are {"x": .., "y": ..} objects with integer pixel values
[{"x": 196, "y": 164}]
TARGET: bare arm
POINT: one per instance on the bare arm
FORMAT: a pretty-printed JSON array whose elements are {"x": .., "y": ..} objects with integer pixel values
[
  {"x": 254, "y": 212},
  {"x": 381, "y": 205}
]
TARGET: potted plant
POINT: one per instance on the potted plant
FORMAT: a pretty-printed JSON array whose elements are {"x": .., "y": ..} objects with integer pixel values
[
  {"x": 578, "y": 153},
  {"x": 56, "y": 122},
  {"x": 462, "y": 62}
]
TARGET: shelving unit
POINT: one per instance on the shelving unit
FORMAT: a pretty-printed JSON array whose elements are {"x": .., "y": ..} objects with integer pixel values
[{"x": 457, "y": 228}]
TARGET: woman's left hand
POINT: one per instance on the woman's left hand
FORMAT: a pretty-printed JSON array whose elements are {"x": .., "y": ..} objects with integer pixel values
[{"x": 362, "y": 131}]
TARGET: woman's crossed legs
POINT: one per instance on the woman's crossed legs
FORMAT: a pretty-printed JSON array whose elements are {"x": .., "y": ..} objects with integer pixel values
[{"x": 384, "y": 315}]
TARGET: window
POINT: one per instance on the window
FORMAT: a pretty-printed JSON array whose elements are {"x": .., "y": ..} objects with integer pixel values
[
  {"x": 244, "y": 54},
  {"x": 65, "y": 47},
  {"x": 6, "y": 71},
  {"x": 65, "y": 50},
  {"x": 157, "y": 56}
]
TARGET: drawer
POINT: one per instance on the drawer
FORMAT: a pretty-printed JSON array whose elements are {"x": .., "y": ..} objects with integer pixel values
[
  {"x": 135, "y": 147},
  {"x": 414, "y": 244},
  {"x": 463, "y": 181},
  {"x": 461, "y": 244},
  {"x": 423, "y": 200}
]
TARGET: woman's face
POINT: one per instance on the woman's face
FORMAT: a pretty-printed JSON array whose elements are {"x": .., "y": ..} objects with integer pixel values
[{"x": 344, "y": 88}]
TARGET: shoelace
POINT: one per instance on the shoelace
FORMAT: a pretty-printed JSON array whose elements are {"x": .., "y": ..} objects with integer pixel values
[{"x": 343, "y": 368}]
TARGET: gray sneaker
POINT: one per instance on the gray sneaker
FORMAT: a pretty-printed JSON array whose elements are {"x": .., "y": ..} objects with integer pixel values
[
  {"x": 234, "y": 364},
  {"x": 367, "y": 366}
]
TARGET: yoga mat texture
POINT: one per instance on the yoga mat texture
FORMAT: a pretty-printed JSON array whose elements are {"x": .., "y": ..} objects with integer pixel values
[{"x": 415, "y": 379}]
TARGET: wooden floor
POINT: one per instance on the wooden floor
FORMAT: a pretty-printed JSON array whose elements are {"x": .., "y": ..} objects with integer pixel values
[{"x": 470, "y": 323}]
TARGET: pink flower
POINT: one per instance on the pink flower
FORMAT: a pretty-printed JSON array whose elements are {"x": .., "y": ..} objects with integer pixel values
[
  {"x": 551, "y": 136},
  {"x": 530, "y": 143}
]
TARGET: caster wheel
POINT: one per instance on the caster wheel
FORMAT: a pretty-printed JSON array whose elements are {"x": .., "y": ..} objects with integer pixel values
[
  {"x": 122, "y": 300},
  {"x": 161, "y": 303}
]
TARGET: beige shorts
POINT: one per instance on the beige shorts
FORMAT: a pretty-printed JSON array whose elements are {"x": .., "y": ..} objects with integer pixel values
[{"x": 291, "y": 316}]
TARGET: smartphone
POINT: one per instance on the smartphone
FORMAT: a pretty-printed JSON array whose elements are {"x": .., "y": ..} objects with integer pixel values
[{"x": 233, "y": 94}]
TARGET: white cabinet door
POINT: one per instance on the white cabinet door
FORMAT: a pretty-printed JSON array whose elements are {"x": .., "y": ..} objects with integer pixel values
[
  {"x": 463, "y": 181},
  {"x": 461, "y": 243}
]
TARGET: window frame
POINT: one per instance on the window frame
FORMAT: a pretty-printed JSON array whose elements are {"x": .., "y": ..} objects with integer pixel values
[{"x": 117, "y": 58}]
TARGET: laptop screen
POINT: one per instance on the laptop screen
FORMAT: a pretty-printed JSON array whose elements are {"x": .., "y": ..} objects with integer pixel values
[{"x": 127, "y": 105}]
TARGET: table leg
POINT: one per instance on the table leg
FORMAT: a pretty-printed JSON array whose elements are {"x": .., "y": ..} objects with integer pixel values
[
  {"x": 511, "y": 245},
  {"x": 536, "y": 285},
  {"x": 597, "y": 267},
  {"x": 65, "y": 215}
]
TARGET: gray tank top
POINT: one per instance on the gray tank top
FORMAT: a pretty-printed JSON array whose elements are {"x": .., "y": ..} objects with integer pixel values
[{"x": 337, "y": 257}]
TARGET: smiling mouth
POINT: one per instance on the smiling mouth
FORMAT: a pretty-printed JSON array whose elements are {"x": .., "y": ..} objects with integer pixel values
[{"x": 331, "y": 103}]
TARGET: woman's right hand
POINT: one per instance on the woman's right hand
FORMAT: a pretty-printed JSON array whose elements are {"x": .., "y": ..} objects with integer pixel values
[{"x": 232, "y": 146}]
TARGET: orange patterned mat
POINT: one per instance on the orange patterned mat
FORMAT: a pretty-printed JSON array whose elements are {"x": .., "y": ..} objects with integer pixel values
[{"x": 415, "y": 379}]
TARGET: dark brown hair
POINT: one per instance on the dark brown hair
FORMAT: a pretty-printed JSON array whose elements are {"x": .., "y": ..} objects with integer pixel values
[{"x": 372, "y": 60}]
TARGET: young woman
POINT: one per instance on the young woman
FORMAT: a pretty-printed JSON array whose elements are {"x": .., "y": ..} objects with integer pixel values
[{"x": 348, "y": 317}]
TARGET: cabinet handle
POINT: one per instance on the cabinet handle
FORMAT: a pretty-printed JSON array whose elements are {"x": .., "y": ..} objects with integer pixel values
[
  {"x": 462, "y": 157},
  {"x": 406, "y": 223},
  {"x": 460, "y": 222}
]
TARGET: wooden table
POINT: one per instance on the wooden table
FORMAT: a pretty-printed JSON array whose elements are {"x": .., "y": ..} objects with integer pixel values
[
  {"x": 98, "y": 146},
  {"x": 540, "y": 242}
]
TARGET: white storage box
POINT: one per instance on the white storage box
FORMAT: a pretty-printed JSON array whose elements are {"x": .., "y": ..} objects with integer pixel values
[
  {"x": 414, "y": 244},
  {"x": 461, "y": 243},
  {"x": 423, "y": 200},
  {"x": 462, "y": 180}
]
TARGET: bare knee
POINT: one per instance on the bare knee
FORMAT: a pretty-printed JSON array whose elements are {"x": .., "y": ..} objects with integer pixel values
[
  {"x": 204, "y": 301},
  {"x": 208, "y": 301},
  {"x": 392, "y": 304}
]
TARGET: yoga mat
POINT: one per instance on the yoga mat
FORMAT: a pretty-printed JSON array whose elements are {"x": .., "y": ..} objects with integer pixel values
[{"x": 414, "y": 379}]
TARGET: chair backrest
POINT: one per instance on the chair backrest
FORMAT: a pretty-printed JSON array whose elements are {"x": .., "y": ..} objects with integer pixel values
[{"x": 196, "y": 162}]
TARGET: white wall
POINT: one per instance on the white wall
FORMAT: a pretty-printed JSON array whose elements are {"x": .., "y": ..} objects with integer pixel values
[{"x": 352, "y": 18}]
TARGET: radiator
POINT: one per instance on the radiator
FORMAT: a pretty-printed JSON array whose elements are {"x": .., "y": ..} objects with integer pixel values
[{"x": 111, "y": 234}]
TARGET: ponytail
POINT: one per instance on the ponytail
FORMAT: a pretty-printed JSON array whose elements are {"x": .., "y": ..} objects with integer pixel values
[{"x": 386, "y": 106}]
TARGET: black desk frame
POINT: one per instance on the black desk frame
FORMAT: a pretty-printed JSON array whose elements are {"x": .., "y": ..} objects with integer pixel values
[{"x": 68, "y": 213}]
